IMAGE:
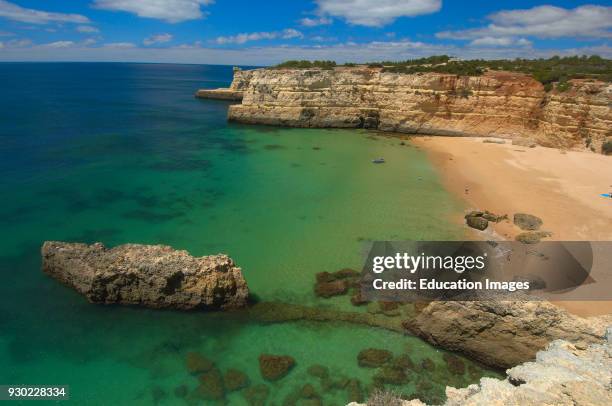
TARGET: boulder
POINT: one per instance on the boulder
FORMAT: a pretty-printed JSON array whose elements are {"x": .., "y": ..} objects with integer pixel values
[
  {"x": 333, "y": 288},
  {"x": 275, "y": 367},
  {"x": 502, "y": 334},
  {"x": 154, "y": 276},
  {"x": 373, "y": 357},
  {"x": 527, "y": 222},
  {"x": 479, "y": 223}
]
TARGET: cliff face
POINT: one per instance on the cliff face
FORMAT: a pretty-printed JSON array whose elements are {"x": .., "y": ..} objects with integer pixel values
[{"x": 496, "y": 104}]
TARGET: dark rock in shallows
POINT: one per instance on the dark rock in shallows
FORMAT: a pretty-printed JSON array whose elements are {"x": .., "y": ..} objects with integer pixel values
[
  {"x": 478, "y": 223},
  {"x": 196, "y": 363},
  {"x": 428, "y": 365},
  {"x": 308, "y": 392},
  {"x": 211, "y": 385},
  {"x": 527, "y": 222},
  {"x": 318, "y": 371},
  {"x": 275, "y": 367},
  {"x": 391, "y": 375},
  {"x": 333, "y": 288},
  {"x": 373, "y": 357},
  {"x": 403, "y": 362},
  {"x": 154, "y": 276},
  {"x": 256, "y": 395},
  {"x": 354, "y": 391},
  {"x": 455, "y": 364},
  {"x": 532, "y": 237},
  {"x": 235, "y": 380}
]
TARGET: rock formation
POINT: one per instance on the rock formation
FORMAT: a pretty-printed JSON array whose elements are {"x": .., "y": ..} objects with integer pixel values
[
  {"x": 498, "y": 104},
  {"x": 502, "y": 334},
  {"x": 149, "y": 275},
  {"x": 563, "y": 374},
  {"x": 233, "y": 93}
]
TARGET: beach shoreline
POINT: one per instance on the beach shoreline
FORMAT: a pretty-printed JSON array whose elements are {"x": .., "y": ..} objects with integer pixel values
[{"x": 561, "y": 187}]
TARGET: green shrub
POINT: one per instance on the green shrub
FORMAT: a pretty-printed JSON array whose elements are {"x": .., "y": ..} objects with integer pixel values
[
  {"x": 304, "y": 64},
  {"x": 548, "y": 87},
  {"x": 606, "y": 147},
  {"x": 564, "y": 86}
]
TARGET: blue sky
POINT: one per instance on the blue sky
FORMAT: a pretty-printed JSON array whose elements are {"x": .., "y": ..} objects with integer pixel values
[{"x": 259, "y": 32}]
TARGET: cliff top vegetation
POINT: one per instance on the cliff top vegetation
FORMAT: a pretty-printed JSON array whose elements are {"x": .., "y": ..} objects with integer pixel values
[{"x": 548, "y": 71}]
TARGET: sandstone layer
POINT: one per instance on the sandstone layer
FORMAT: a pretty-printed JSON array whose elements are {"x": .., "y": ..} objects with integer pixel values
[
  {"x": 503, "y": 334},
  {"x": 563, "y": 374},
  {"x": 498, "y": 104},
  {"x": 154, "y": 276}
]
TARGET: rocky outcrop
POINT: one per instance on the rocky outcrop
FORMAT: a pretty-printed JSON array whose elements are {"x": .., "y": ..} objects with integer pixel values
[
  {"x": 502, "y": 334},
  {"x": 563, "y": 374},
  {"x": 233, "y": 93},
  {"x": 498, "y": 104},
  {"x": 149, "y": 275}
]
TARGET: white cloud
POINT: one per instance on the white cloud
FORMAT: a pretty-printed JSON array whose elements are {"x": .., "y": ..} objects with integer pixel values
[
  {"x": 587, "y": 21},
  {"x": 346, "y": 52},
  {"x": 313, "y": 22},
  {"x": 32, "y": 16},
  {"x": 119, "y": 45},
  {"x": 89, "y": 41},
  {"x": 172, "y": 11},
  {"x": 157, "y": 39},
  {"x": 500, "y": 42},
  {"x": 258, "y": 36},
  {"x": 58, "y": 44},
  {"x": 376, "y": 13},
  {"x": 87, "y": 29}
]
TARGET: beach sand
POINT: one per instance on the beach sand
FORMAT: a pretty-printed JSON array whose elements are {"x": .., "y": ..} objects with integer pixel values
[{"x": 561, "y": 187}]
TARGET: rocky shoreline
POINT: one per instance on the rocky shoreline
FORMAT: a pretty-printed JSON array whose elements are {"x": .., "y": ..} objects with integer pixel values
[
  {"x": 562, "y": 374},
  {"x": 155, "y": 276},
  {"x": 496, "y": 104}
]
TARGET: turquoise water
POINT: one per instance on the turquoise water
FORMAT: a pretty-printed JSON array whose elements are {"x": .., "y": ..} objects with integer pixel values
[{"x": 123, "y": 153}]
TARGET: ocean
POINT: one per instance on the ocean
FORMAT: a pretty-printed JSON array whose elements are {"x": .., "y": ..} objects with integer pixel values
[{"x": 122, "y": 153}]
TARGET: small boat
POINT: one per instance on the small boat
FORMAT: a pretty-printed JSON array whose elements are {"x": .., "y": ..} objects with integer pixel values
[
  {"x": 378, "y": 161},
  {"x": 606, "y": 195}
]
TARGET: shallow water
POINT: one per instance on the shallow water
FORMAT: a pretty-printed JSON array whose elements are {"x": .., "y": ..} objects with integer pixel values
[{"x": 123, "y": 153}]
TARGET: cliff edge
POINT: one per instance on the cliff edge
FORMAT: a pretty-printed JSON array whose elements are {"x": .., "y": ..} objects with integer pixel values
[{"x": 497, "y": 104}]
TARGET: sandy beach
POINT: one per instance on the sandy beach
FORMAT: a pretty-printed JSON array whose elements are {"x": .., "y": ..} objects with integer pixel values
[{"x": 561, "y": 187}]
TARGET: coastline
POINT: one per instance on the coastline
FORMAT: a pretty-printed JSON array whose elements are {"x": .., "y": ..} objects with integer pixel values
[{"x": 561, "y": 187}]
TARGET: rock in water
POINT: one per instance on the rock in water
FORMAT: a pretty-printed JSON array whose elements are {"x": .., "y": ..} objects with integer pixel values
[
  {"x": 155, "y": 276},
  {"x": 275, "y": 367}
]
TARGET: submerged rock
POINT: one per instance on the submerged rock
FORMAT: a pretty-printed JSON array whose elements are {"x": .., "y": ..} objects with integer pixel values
[
  {"x": 391, "y": 375},
  {"x": 318, "y": 371},
  {"x": 477, "y": 222},
  {"x": 454, "y": 364},
  {"x": 373, "y": 357},
  {"x": 275, "y": 367},
  {"x": 154, "y": 276},
  {"x": 196, "y": 363},
  {"x": 354, "y": 391},
  {"x": 527, "y": 222},
  {"x": 211, "y": 385},
  {"x": 532, "y": 237},
  {"x": 235, "y": 380},
  {"x": 333, "y": 288},
  {"x": 256, "y": 395}
]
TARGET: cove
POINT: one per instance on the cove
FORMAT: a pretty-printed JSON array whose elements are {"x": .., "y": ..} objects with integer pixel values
[{"x": 122, "y": 153}]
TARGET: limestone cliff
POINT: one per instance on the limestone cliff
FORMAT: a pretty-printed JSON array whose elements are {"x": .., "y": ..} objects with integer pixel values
[
  {"x": 499, "y": 104},
  {"x": 563, "y": 374},
  {"x": 502, "y": 334},
  {"x": 149, "y": 275}
]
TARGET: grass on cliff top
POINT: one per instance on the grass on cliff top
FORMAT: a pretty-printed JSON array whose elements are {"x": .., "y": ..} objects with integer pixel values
[{"x": 547, "y": 71}]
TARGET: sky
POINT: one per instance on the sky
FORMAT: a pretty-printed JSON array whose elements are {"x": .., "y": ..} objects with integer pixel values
[{"x": 256, "y": 32}]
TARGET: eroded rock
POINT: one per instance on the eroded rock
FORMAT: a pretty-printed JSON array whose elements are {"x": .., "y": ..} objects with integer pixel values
[
  {"x": 502, "y": 334},
  {"x": 527, "y": 222},
  {"x": 275, "y": 367},
  {"x": 373, "y": 357},
  {"x": 154, "y": 276}
]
